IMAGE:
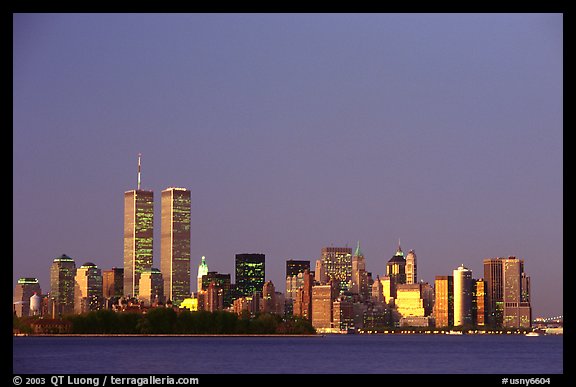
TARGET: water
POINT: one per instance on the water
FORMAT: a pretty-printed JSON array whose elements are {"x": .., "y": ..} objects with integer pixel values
[{"x": 358, "y": 354}]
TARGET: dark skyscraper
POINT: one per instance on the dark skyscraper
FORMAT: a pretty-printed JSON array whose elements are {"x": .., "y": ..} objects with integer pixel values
[
  {"x": 250, "y": 270},
  {"x": 517, "y": 310},
  {"x": 396, "y": 270},
  {"x": 222, "y": 281},
  {"x": 62, "y": 274},
  {"x": 294, "y": 267},
  {"x": 494, "y": 287},
  {"x": 25, "y": 288},
  {"x": 175, "y": 244}
]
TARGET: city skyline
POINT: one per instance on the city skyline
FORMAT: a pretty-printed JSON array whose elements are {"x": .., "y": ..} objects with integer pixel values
[{"x": 293, "y": 133}]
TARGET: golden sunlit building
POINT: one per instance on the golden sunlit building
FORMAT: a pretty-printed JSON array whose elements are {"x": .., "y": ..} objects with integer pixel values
[
  {"x": 175, "y": 244},
  {"x": 444, "y": 300}
]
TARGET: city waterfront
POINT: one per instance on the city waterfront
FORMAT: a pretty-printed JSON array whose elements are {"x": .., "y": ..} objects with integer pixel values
[{"x": 330, "y": 354}]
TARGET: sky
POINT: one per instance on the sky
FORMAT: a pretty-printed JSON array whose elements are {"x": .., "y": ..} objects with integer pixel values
[{"x": 294, "y": 132}]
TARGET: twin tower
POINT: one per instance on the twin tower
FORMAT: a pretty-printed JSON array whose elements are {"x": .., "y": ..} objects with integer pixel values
[{"x": 174, "y": 240}]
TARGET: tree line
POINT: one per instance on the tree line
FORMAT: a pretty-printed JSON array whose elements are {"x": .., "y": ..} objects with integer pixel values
[{"x": 167, "y": 321}]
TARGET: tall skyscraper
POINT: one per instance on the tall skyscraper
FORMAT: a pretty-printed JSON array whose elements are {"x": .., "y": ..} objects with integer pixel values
[
  {"x": 268, "y": 297},
  {"x": 411, "y": 268},
  {"x": 320, "y": 272},
  {"x": 409, "y": 300},
  {"x": 396, "y": 270},
  {"x": 151, "y": 287},
  {"x": 359, "y": 275},
  {"x": 87, "y": 288},
  {"x": 377, "y": 291},
  {"x": 175, "y": 244},
  {"x": 25, "y": 288},
  {"x": 250, "y": 271},
  {"x": 113, "y": 283},
  {"x": 62, "y": 274},
  {"x": 462, "y": 296},
  {"x": 444, "y": 300},
  {"x": 517, "y": 309},
  {"x": 338, "y": 265},
  {"x": 494, "y": 287},
  {"x": 138, "y": 235},
  {"x": 479, "y": 302},
  {"x": 202, "y": 271}
]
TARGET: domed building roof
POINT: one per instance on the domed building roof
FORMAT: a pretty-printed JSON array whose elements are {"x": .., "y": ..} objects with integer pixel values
[
  {"x": 88, "y": 264},
  {"x": 63, "y": 258}
]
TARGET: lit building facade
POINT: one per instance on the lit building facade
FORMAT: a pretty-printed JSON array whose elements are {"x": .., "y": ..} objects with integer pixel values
[
  {"x": 396, "y": 270},
  {"x": 175, "y": 244},
  {"x": 517, "y": 309},
  {"x": 151, "y": 287},
  {"x": 268, "y": 297},
  {"x": 138, "y": 237},
  {"x": 250, "y": 271},
  {"x": 88, "y": 294},
  {"x": 411, "y": 268},
  {"x": 25, "y": 288},
  {"x": 113, "y": 283},
  {"x": 479, "y": 302},
  {"x": 359, "y": 276},
  {"x": 62, "y": 274},
  {"x": 494, "y": 283},
  {"x": 409, "y": 301},
  {"x": 444, "y": 300},
  {"x": 320, "y": 272},
  {"x": 202, "y": 271},
  {"x": 302, "y": 302},
  {"x": 337, "y": 262},
  {"x": 462, "y": 296},
  {"x": 222, "y": 281},
  {"x": 322, "y": 303}
]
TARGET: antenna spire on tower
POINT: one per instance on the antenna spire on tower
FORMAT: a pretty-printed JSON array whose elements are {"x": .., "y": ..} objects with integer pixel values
[{"x": 139, "y": 155}]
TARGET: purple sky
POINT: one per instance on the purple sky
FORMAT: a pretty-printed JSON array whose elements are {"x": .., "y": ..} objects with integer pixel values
[{"x": 294, "y": 132}]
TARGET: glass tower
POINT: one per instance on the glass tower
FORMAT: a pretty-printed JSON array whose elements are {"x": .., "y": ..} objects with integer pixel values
[
  {"x": 250, "y": 269},
  {"x": 62, "y": 273},
  {"x": 138, "y": 237},
  {"x": 175, "y": 244}
]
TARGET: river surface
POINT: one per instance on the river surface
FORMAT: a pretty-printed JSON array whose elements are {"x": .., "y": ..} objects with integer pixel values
[{"x": 330, "y": 354}]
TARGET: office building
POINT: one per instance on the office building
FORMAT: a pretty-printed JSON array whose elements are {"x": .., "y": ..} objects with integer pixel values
[
  {"x": 294, "y": 267},
  {"x": 444, "y": 301},
  {"x": 25, "y": 288},
  {"x": 138, "y": 237},
  {"x": 302, "y": 302},
  {"x": 113, "y": 283},
  {"x": 62, "y": 274},
  {"x": 388, "y": 287},
  {"x": 377, "y": 291},
  {"x": 88, "y": 295},
  {"x": 516, "y": 300},
  {"x": 151, "y": 287},
  {"x": 409, "y": 300},
  {"x": 427, "y": 291},
  {"x": 478, "y": 302},
  {"x": 175, "y": 244},
  {"x": 202, "y": 271},
  {"x": 337, "y": 262},
  {"x": 411, "y": 268},
  {"x": 323, "y": 297},
  {"x": 462, "y": 296},
  {"x": 320, "y": 275},
  {"x": 250, "y": 271},
  {"x": 214, "y": 297},
  {"x": 222, "y": 281},
  {"x": 268, "y": 297},
  {"x": 343, "y": 314},
  {"x": 359, "y": 276},
  {"x": 494, "y": 287},
  {"x": 396, "y": 270}
]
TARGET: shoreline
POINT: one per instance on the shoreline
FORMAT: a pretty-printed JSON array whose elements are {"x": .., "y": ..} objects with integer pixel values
[{"x": 158, "y": 335}]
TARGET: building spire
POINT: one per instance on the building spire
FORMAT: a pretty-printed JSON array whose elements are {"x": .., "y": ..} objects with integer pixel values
[
  {"x": 139, "y": 155},
  {"x": 358, "y": 253}
]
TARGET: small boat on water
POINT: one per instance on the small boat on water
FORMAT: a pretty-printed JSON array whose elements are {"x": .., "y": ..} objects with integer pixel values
[{"x": 532, "y": 334}]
